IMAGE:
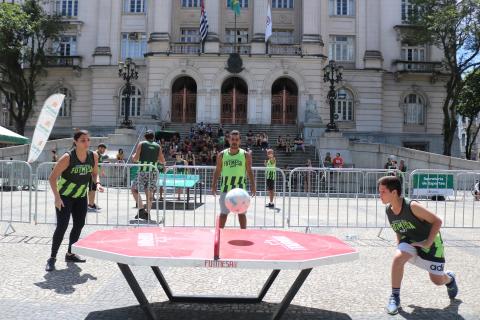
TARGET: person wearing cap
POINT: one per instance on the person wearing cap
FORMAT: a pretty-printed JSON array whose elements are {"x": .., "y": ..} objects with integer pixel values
[
  {"x": 149, "y": 155},
  {"x": 92, "y": 188}
]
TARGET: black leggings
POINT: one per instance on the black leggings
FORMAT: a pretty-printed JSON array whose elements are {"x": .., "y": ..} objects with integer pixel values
[{"x": 78, "y": 209}]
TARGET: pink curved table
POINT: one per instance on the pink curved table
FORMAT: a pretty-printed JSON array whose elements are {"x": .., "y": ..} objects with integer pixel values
[{"x": 192, "y": 247}]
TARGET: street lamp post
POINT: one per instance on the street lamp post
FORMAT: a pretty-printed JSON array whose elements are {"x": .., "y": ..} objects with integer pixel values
[
  {"x": 332, "y": 74},
  {"x": 128, "y": 71}
]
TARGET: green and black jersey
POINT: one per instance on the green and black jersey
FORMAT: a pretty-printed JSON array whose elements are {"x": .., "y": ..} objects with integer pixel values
[
  {"x": 234, "y": 170},
  {"x": 74, "y": 180},
  {"x": 271, "y": 171},
  {"x": 412, "y": 229},
  {"x": 149, "y": 155}
]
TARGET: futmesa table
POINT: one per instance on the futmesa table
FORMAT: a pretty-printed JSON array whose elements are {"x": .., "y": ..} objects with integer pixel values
[
  {"x": 238, "y": 249},
  {"x": 182, "y": 181}
]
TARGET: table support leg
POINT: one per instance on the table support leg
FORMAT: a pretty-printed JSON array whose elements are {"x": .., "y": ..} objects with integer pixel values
[
  {"x": 137, "y": 291},
  {"x": 291, "y": 294}
]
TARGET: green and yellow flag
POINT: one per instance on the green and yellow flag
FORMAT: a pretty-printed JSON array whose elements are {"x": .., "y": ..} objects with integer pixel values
[{"x": 235, "y": 6}]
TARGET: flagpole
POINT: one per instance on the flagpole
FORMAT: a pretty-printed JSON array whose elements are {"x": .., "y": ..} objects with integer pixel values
[{"x": 235, "y": 28}]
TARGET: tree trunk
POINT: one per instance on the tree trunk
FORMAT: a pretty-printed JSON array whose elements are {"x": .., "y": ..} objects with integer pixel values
[
  {"x": 471, "y": 141},
  {"x": 20, "y": 126},
  {"x": 447, "y": 133},
  {"x": 468, "y": 149}
]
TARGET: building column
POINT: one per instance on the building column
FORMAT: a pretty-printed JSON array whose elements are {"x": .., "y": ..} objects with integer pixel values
[
  {"x": 369, "y": 35},
  {"x": 259, "y": 21},
  {"x": 311, "y": 40},
  {"x": 161, "y": 14},
  {"x": 103, "y": 53},
  {"x": 212, "y": 44}
]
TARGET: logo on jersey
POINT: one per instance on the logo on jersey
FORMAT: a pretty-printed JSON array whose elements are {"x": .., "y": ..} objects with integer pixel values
[
  {"x": 232, "y": 163},
  {"x": 402, "y": 226},
  {"x": 82, "y": 169}
]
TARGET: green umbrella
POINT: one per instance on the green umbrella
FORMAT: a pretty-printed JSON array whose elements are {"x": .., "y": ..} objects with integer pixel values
[{"x": 10, "y": 137}]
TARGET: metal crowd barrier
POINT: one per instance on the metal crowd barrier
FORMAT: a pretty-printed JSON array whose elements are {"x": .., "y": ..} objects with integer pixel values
[
  {"x": 181, "y": 212},
  {"x": 116, "y": 203},
  {"x": 316, "y": 197},
  {"x": 448, "y": 193},
  {"x": 323, "y": 197},
  {"x": 15, "y": 193},
  {"x": 183, "y": 198}
]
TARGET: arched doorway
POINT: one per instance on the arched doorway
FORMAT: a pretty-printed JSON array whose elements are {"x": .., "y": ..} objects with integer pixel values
[
  {"x": 184, "y": 100},
  {"x": 234, "y": 101},
  {"x": 284, "y": 101}
]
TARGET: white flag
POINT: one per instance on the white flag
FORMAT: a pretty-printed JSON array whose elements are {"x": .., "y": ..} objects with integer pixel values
[
  {"x": 44, "y": 126},
  {"x": 268, "y": 24}
]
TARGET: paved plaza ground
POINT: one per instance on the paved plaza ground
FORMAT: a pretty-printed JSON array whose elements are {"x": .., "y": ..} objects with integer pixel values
[{"x": 355, "y": 290}]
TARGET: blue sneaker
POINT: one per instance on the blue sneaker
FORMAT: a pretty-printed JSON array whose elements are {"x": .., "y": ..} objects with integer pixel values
[
  {"x": 393, "y": 305},
  {"x": 452, "y": 288}
]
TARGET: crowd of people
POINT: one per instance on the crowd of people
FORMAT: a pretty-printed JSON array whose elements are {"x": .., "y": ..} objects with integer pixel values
[
  {"x": 289, "y": 144},
  {"x": 394, "y": 165}
]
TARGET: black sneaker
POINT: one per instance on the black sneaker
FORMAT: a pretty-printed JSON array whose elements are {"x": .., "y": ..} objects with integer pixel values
[
  {"x": 50, "y": 264},
  {"x": 270, "y": 205},
  {"x": 141, "y": 213},
  {"x": 144, "y": 215},
  {"x": 74, "y": 258}
]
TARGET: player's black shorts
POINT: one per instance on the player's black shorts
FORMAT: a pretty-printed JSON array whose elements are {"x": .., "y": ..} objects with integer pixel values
[{"x": 270, "y": 184}]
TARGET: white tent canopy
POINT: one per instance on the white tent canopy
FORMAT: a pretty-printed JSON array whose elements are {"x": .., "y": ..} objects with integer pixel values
[{"x": 10, "y": 137}]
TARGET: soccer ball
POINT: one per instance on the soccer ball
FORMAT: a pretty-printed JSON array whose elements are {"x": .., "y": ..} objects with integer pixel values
[{"x": 237, "y": 200}]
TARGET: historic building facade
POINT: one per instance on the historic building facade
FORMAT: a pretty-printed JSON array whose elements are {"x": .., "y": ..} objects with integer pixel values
[{"x": 392, "y": 91}]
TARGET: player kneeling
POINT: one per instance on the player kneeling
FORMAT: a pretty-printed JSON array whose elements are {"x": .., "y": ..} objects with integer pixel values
[{"x": 418, "y": 237}]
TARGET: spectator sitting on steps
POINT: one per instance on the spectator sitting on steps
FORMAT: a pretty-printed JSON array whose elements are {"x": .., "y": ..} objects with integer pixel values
[{"x": 299, "y": 144}]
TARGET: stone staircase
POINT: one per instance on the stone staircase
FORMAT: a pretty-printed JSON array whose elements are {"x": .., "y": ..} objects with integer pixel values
[{"x": 295, "y": 159}]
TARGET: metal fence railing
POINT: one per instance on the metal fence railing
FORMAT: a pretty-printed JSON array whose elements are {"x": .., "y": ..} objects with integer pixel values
[
  {"x": 304, "y": 197},
  {"x": 117, "y": 205},
  {"x": 449, "y": 193},
  {"x": 15, "y": 192},
  {"x": 323, "y": 197}
]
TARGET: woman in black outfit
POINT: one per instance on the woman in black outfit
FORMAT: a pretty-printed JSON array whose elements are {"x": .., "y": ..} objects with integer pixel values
[{"x": 69, "y": 182}]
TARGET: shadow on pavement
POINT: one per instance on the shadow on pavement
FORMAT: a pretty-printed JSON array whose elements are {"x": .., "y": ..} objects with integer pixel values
[
  {"x": 449, "y": 312},
  {"x": 183, "y": 311},
  {"x": 64, "y": 280}
]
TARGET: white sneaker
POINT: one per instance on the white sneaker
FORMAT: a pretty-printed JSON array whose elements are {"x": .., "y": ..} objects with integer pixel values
[{"x": 393, "y": 305}]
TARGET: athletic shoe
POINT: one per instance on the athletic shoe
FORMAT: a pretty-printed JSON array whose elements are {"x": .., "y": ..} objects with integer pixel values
[
  {"x": 145, "y": 215},
  {"x": 50, "y": 264},
  {"x": 270, "y": 205},
  {"x": 452, "y": 288},
  {"x": 393, "y": 305},
  {"x": 74, "y": 258},
  {"x": 141, "y": 213},
  {"x": 91, "y": 208}
]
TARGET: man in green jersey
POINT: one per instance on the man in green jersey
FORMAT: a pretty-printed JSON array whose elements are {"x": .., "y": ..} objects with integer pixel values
[
  {"x": 270, "y": 173},
  {"x": 149, "y": 154},
  {"x": 418, "y": 238},
  {"x": 233, "y": 164}
]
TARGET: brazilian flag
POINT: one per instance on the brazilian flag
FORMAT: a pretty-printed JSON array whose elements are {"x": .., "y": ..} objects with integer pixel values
[{"x": 235, "y": 6}]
